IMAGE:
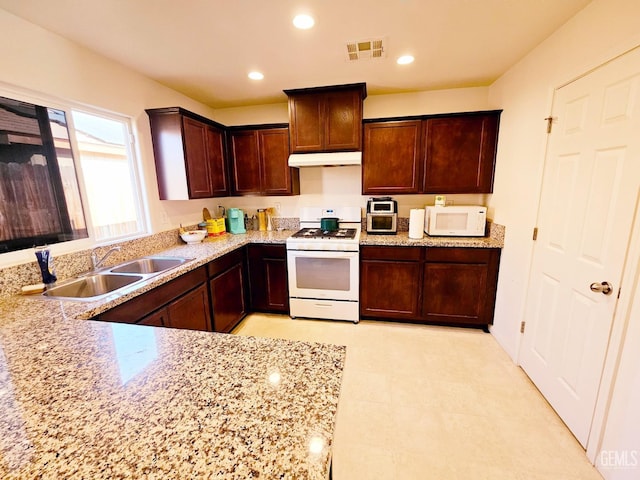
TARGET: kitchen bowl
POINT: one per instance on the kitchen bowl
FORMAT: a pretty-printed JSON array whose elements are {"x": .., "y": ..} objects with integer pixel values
[{"x": 193, "y": 236}]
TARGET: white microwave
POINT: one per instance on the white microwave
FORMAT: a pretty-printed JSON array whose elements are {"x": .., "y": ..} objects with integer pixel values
[{"x": 455, "y": 221}]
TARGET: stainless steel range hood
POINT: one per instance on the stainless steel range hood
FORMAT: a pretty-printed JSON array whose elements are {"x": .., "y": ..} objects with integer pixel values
[{"x": 325, "y": 159}]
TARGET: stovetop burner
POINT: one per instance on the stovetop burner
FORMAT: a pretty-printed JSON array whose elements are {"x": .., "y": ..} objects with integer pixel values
[{"x": 341, "y": 233}]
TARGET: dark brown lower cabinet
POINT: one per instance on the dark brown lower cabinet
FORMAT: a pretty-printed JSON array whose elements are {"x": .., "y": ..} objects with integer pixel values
[
  {"x": 455, "y": 286},
  {"x": 388, "y": 281},
  {"x": 227, "y": 289},
  {"x": 212, "y": 298},
  {"x": 179, "y": 303},
  {"x": 267, "y": 266},
  {"x": 459, "y": 285},
  {"x": 191, "y": 311},
  {"x": 156, "y": 319}
]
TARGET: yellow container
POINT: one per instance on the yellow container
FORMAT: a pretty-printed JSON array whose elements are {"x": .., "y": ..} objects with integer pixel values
[
  {"x": 262, "y": 220},
  {"x": 216, "y": 227}
]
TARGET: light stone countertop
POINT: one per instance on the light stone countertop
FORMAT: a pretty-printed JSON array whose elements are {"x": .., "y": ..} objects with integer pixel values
[
  {"x": 201, "y": 253},
  {"x": 98, "y": 400},
  {"x": 401, "y": 239}
]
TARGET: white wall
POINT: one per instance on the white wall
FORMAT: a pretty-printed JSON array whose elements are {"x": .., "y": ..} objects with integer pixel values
[
  {"x": 39, "y": 62},
  {"x": 618, "y": 455},
  {"x": 342, "y": 185},
  {"x": 51, "y": 66},
  {"x": 600, "y": 32},
  {"x": 604, "y": 29}
]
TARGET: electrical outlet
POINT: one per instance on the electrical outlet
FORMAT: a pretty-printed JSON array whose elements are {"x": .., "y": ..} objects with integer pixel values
[
  {"x": 164, "y": 218},
  {"x": 277, "y": 206}
]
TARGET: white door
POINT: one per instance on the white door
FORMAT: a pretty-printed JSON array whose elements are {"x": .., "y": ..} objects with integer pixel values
[{"x": 589, "y": 196}]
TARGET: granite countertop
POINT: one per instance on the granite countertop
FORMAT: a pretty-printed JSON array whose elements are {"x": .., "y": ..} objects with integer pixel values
[
  {"x": 201, "y": 254},
  {"x": 401, "y": 239},
  {"x": 493, "y": 239},
  {"x": 17, "y": 306},
  {"x": 97, "y": 400}
]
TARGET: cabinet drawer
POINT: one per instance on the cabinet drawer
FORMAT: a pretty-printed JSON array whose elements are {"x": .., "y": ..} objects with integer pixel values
[
  {"x": 138, "y": 307},
  {"x": 219, "y": 265},
  {"x": 391, "y": 253},
  {"x": 270, "y": 251},
  {"x": 459, "y": 255}
]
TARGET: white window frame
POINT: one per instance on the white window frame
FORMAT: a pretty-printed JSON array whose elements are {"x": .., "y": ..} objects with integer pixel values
[
  {"x": 26, "y": 255},
  {"x": 134, "y": 166}
]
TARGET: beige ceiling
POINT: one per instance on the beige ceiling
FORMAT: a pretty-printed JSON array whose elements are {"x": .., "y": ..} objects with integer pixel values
[{"x": 205, "y": 48}]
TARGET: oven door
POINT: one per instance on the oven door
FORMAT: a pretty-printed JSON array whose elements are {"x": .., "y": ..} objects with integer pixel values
[{"x": 323, "y": 274}]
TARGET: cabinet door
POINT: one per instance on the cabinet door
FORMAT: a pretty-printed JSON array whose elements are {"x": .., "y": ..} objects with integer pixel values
[
  {"x": 191, "y": 311},
  {"x": 268, "y": 285},
  {"x": 227, "y": 296},
  {"x": 343, "y": 121},
  {"x": 390, "y": 283},
  {"x": 245, "y": 162},
  {"x": 460, "y": 153},
  {"x": 391, "y": 162},
  {"x": 189, "y": 155},
  {"x": 459, "y": 285},
  {"x": 139, "y": 307},
  {"x": 198, "y": 168},
  {"x": 217, "y": 163},
  {"x": 306, "y": 119},
  {"x": 277, "y": 177},
  {"x": 156, "y": 319}
]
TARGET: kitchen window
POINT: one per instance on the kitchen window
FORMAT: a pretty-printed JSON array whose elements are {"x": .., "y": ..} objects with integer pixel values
[
  {"x": 66, "y": 174},
  {"x": 110, "y": 177},
  {"x": 40, "y": 200}
]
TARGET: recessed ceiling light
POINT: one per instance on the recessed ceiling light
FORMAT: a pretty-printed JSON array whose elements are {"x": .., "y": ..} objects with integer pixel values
[
  {"x": 405, "y": 60},
  {"x": 303, "y": 22},
  {"x": 256, "y": 76}
]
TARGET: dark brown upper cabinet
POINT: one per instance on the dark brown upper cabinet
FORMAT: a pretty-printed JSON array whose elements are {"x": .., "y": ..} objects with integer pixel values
[
  {"x": 392, "y": 163},
  {"x": 460, "y": 153},
  {"x": 326, "y": 119},
  {"x": 259, "y": 162},
  {"x": 189, "y": 154},
  {"x": 438, "y": 154}
]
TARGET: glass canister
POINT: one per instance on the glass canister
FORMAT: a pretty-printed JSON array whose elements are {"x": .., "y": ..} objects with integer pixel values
[{"x": 262, "y": 220}]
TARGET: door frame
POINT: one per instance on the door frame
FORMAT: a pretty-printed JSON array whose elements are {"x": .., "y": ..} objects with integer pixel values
[{"x": 619, "y": 327}]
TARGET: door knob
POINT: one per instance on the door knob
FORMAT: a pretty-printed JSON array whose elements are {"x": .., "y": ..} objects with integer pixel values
[{"x": 603, "y": 287}]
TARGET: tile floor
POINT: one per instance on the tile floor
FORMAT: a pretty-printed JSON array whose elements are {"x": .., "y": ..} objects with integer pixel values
[{"x": 425, "y": 402}]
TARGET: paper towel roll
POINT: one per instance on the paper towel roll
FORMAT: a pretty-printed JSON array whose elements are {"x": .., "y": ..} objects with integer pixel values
[{"x": 416, "y": 223}]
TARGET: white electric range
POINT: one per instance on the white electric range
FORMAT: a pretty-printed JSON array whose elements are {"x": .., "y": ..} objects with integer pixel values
[{"x": 323, "y": 266}]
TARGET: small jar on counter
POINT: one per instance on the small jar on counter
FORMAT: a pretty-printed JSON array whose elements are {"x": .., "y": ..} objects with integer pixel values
[{"x": 262, "y": 220}]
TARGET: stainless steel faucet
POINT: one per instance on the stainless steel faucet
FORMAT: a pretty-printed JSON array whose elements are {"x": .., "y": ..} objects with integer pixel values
[{"x": 96, "y": 262}]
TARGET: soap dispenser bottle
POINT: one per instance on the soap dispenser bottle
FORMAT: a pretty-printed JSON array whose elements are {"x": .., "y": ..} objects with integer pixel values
[{"x": 45, "y": 262}]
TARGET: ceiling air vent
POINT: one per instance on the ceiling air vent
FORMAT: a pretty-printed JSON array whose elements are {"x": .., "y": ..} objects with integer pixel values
[{"x": 365, "y": 49}]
